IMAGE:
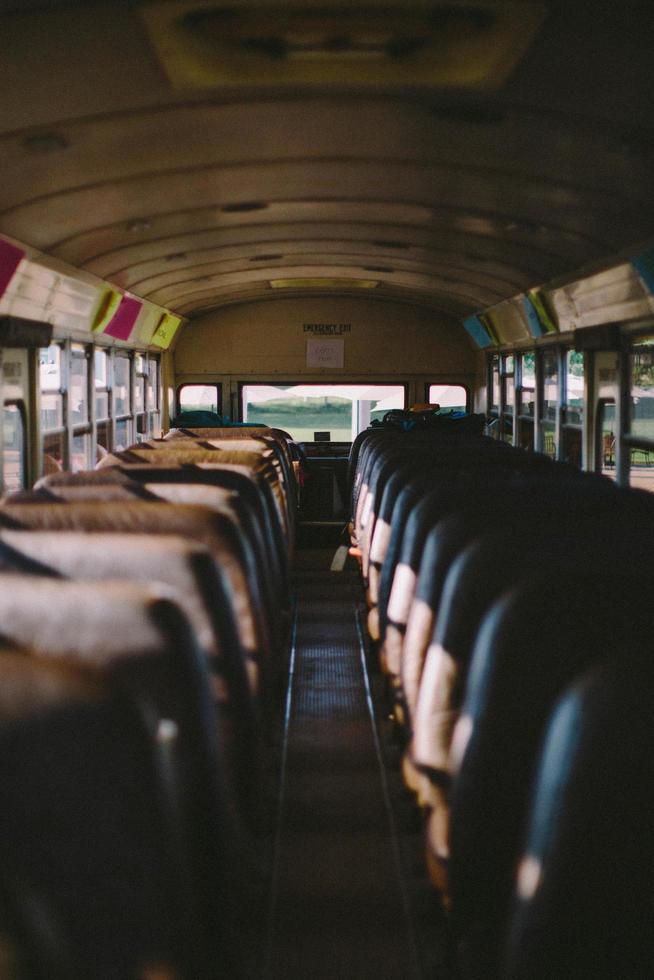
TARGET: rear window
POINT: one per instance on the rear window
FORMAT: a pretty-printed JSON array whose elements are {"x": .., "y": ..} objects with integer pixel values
[
  {"x": 451, "y": 398},
  {"x": 319, "y": 412}
]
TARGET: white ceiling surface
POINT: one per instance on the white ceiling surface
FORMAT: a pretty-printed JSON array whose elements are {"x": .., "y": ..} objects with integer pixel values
[{"x": 447, "y": 199}]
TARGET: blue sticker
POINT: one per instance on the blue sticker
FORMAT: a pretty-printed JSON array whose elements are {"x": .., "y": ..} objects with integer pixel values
[{"x": 478, "y": 332}]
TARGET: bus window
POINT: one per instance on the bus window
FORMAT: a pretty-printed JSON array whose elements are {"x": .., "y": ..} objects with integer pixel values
[
  {"x": 550, "y": 400},
  {"x": 526, "y": 397},
  {"x": 451, "y": 398},
  {"x": 319, "y": 412},
  {"x": 153, "y": 396},
  {"x": 573, "y": 416},
  {"x": 641, "y": 422},
  {"x": 606, "y": 432},
  {"x": 122, "y": 401},
  {"x": 198, "y": 398},
  {"x": 140, "y": 396},
  {"x": 14, "y": 453},
  {"x": 78, "y": 393},
  {"x": 52, "y": 408},
  {"x": 101, "y": 385},
  {"x": 507, "y": 381}
]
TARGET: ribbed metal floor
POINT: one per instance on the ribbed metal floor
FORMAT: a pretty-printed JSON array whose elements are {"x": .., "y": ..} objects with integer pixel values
[{"x": 340, "y": 907}]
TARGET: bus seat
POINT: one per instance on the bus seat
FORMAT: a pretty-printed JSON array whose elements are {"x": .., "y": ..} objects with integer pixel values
[
  {"x": 533, "y": 642},
  {"x": 255, "y": 494},
  {"x": 582, "y": 903},
  {"x": 191, "y": 521},
  {"x": 200, "y": 589},
  {"x": 89, "y": 884},
  {"x": 219, "y": 499},
  {"x": 487, "y": 567},
  {"x": 140, "y": 641},
  {"x": 263, "y": 469}
]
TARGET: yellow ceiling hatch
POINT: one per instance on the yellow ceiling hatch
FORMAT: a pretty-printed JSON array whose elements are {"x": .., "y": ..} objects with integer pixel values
[{"x": 461, "y": 43}]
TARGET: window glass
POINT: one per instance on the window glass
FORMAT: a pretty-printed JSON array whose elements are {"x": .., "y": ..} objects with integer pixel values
[
  {"x": 509, "y": 392},
  {"x": 102, "y": 404},
  {"x": 641, "y": 461},
  {"x": 451, "y": 398},
  {"x": 550, "y": 400},
  {"x": 194, "y": 398},
  {"x": 53, "y": 452},
  {"x": 52, "y": 411},
  {"x": 606, "y": 432},
  {"x": 79, "y": 385},
  {"x": 50, "y": 368},
  {"x": 575, "y": 388},
  {"x": 641, "y": 468},
  {"x": 527, "y": 390},
  {"x": 550, "y": 383},
  {"x": 52, "y": 402},
  {"x": 14, "y": 456},
  {"x": 100, "y": 373},
  {"x": 141, "y": 427},
  {"x": 642, "y": 390},
  {"x": 81, "y": 452},
  {"x": 139, "y": 393},
  {"x": 104, "y": 437},
  {"x": 314, "y": 412},
  {"x": 100, "y": 368},
  {"x": 123, "y": 434},
  {"x": 495, "y": 385},
  {"x": 152, "y": 385},
  {"x": 121, "y": 386}
]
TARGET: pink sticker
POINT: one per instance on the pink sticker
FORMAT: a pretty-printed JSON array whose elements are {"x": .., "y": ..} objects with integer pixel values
[
  {"x": 10, "y": 257},
  {"x": 122, "y": 323}
]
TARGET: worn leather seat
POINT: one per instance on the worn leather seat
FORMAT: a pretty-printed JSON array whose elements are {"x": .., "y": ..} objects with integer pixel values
[
  {"x": 139, "y": 641},
  {"x": 200, "y": 589},
  {"x": 191, "y": 521},
  {"x": 92, "y": 885},
  {"x": 261, "y": 470},
  {"x": 97, "y": 486}
]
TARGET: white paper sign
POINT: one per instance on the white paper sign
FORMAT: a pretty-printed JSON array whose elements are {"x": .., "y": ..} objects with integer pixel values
[{"x": 326, "y": 353}]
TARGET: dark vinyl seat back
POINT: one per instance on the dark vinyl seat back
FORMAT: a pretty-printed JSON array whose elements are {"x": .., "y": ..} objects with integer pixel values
[
  {"x": 533, "y": 642},
  {"x": 140, "y": 640},
  {"x": 583, "y": 900},
  {"x": 90, "y": 885}
]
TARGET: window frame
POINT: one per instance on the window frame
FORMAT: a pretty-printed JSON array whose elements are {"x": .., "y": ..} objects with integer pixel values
[
  {"x": 218, "y": 385},
  {"x": 18, "y": 403},
  {"x": 449, "y": 384},
  {"x": 150, "y": 416},
  {"x": 277, "y": 382}
]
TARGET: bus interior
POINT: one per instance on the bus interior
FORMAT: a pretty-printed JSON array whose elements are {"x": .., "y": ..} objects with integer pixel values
[{"x": 327, "y": 462}]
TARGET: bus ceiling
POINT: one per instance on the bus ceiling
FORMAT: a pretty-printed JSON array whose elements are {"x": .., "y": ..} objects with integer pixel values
[{"x": 458, "y": 156}]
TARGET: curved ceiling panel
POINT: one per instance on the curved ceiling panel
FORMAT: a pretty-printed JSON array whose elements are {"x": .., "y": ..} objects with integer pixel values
[{"x": 455, "y": 199}]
